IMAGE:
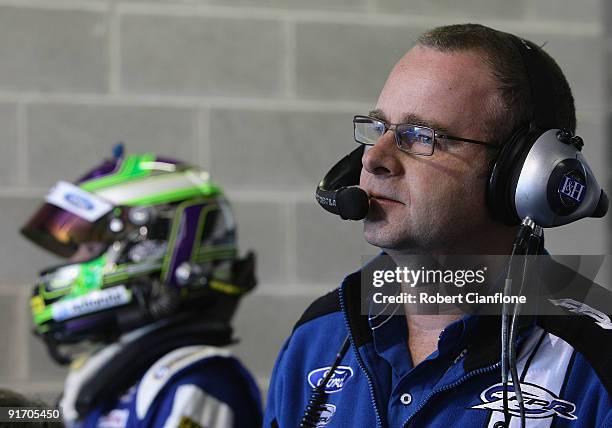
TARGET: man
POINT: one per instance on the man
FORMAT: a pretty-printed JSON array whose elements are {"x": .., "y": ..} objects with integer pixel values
[
  {"x": 466, "y": 88},
  {"x": 143, "y": 306}
]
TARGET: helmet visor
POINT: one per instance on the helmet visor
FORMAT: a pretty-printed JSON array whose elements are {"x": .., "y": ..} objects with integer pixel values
[{"x": 69, "y": 217}]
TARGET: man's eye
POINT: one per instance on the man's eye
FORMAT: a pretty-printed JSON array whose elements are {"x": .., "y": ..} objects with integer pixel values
[
  {"x": 417, "y": 135},
  {"x": 423, "y": 135},
  {"x": 426, "y": 139},
  {"x": 378, "y": 128}
]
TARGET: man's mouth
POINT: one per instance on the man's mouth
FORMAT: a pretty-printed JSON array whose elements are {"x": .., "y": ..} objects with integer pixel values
[{"x": 384, "y": 199}]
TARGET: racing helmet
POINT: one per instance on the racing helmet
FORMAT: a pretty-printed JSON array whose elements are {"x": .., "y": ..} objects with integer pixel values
[{"x": 165, "y": 245}]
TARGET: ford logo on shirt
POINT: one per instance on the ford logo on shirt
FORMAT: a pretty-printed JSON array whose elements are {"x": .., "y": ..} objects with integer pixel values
[
  {"x": 78, "y": 201},
  {"x": 335, "y": 383}
]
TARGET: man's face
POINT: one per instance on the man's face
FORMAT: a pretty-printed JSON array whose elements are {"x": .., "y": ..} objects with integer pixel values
[{"x": 434, "y": 202}]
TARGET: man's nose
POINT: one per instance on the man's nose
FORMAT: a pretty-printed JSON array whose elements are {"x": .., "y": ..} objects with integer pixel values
[{"x": 383, "y": 157}]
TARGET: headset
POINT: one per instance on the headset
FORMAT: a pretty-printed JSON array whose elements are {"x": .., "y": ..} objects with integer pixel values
[{"x": 539, "y": 173}]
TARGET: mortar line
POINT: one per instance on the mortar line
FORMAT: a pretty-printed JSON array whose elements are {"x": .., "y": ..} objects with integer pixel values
[
  {"x": 254, "y": 104},
  {"x": 202, "y": 149},
  {"x": 114, "y": 50},
  {"x": 73, "y": 5},
  {"x": 22, "y": 192},
  {"x": 278, "y": 196},
  {"x": 23, "y": 168},
  {"x": 318, "y": 16},
  {"x": 294, "y": 290},
  {"x": 176, "y": 101},
  {"x": 291, "y": 241},
  {"x": 32, "y": 387},
  {"x": 339, "y": 16},
  {"x": 21, "y": 347},
  {"x": 290, "y": 66}
]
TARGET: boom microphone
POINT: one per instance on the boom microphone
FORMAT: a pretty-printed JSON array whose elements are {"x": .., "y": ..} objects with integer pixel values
[
  {"x": 350, "y": 203},
  {"x": 339, "y": 193}
]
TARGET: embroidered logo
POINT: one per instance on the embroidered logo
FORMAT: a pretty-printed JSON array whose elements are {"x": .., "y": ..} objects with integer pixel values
[
  {"x": 539, "y": 402},
  {"x": 337, "y": 380},
  {"x": 326, "y": 415},
  {"x": 571, "y": 305},
  {"x": 116, "y": 418}
]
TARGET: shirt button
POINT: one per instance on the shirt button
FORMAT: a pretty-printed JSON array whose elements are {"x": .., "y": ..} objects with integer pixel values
[{"x": 406, "y": 399}]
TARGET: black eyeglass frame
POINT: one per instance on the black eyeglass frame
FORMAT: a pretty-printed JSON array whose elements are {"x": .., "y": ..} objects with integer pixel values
[{"x": 436, "y": 135}]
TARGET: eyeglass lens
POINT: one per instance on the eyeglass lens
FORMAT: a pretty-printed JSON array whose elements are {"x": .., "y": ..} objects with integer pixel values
[{"x": 410, "y": 138}]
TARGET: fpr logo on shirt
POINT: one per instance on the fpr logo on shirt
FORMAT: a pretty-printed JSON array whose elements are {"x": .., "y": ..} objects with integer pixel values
[{"x": 539, "y": 402}]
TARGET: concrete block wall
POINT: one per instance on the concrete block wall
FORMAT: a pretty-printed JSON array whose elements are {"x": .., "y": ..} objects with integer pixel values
[{"x": 260, "y": 92}]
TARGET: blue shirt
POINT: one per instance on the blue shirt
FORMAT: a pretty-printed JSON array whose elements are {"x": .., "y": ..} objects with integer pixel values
[{"x": 564, "y": 365}]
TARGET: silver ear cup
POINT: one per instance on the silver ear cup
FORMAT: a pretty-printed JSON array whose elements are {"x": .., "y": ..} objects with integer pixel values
[{"x": 556, "y": 185}]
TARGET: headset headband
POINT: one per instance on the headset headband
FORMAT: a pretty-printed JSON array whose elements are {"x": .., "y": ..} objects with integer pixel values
[{"x": 545, "y": 96}]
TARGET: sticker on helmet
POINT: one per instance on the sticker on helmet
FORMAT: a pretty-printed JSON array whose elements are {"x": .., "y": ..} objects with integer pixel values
[
  {"x": 91, "y": 302},
  {"x": 78, "y": 201}
]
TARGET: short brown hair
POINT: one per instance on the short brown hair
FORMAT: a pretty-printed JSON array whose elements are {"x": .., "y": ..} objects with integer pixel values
[{"x": 505, "y": 61}]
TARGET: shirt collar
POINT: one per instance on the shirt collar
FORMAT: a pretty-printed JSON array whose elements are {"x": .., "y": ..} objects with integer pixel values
[{"x": 480, "y": 334}]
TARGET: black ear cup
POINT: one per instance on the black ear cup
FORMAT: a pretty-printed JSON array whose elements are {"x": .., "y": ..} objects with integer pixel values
[{"x": 505, "y": 173}]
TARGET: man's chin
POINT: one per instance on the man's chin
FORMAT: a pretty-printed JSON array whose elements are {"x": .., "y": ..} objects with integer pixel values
[{"x": 380, "y": 233}]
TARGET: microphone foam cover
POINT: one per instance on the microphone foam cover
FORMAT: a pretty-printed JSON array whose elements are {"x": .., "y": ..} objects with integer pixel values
[{"x": 353, "y": 203}]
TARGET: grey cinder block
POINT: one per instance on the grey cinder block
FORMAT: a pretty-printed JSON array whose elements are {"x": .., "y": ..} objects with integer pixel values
[
  {"x": 278, "y": 150},
  {"x": 348, "y": 62},
  {"x": 582, "y": 62},
  {"x": 456, "y": 9},
  {"x": 261, "y": 228},
  {"x": 328, "y": 248},
  {"x": 53, "y": 50},
  {"x": 201, "y": 56},
  {"x": 261, "y": 341},
  {"x": 344, "y": 5},
  {"x": 58, "y": 134},
  {"x": 9, "y": 161},
  {"x": 564, "y": 10}
]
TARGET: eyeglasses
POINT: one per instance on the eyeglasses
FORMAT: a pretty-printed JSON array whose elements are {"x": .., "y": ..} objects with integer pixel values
[{"x": 414, "y": 139}]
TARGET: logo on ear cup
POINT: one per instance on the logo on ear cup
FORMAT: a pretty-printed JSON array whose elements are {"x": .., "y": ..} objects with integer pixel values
[
  {"x": 572, "y": 189},
  {"x": 567, "y": 187}
]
